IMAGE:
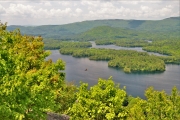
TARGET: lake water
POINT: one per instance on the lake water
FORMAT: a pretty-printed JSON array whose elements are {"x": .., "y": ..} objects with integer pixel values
[
  {"x": 136, "y": 83},
  {"x": 139, "y": 49}
]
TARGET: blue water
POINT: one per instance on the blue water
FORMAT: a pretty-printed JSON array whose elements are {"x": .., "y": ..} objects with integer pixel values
[{"x": 135, "y": 83}]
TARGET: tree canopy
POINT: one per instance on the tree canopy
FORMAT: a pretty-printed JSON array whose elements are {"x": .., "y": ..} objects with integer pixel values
[{"x": 28, "y": 83}]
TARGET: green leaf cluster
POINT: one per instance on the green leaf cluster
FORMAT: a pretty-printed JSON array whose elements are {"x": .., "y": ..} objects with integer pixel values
[
  {"x": 106, "y": 101},
  {"x": 158, "y": 106},
  {"x": 28, "y": 83},
  {"x": 103, "y": 101}
]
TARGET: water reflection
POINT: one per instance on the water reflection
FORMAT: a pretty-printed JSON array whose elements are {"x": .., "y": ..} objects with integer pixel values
[{"x": 135, "y": 83}]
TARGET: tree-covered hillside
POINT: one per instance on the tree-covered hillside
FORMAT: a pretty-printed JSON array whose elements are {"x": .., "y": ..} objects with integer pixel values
[
  {"x": 68, "y": 31},
  {"x": 106, "y": 33}
]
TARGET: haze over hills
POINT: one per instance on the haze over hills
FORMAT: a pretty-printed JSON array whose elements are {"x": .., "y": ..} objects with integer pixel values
[{"x": 74, "y": 30}]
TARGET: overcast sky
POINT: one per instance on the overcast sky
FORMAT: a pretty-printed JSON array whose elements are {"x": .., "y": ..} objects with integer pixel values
[{"x": 41, "y": 12}]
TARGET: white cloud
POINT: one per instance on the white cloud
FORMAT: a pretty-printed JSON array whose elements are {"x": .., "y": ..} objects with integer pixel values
[
  {"x": 107, "y": 5},
  {"x": 146, "y": 9},
  {"x": 169, "y": 6},
  {"x": 139, "y": 2},
  {"x": 90, "y": 3},
  {"x": 78, "y": 10},
  {"x": 32, "y": 12},
  {"x": 19, "y": 10},
  {"x": 52, "y": 13},
  {"x": 2, "y": 9},
  {"x": 47, "y": 4},
  {"x": 65, "y": 3},
  {"x": 60, "y": 12},
  {"x": 153, "y": 1},
  {"x": 165, "y": 11},
  {"x": 129, "y": 2}
]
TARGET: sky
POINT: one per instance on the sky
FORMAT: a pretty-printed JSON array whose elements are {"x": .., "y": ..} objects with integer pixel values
[{"x": 57, "y": 12}]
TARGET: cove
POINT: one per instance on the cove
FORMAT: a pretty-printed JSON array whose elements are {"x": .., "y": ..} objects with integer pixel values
[
  {"x": 139, "y": 49},
  {"x": 136, "y": 83}
]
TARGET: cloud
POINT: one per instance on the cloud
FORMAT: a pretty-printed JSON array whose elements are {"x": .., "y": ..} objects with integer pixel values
[
  {"x": 47, "y": 4},
  {"x": 145, "y": 8},
  {"x": 143, "y": 11},
  {"x": 137, "y": 2},
  {"x": 129, "y": 2},
  {"x": 60, "y": 12},
  {"x": 78, "y": 10},
  {"x": 90, "y": 3},
  {"x": 107, "y": 5},
  {"x": 65, "y": 3},
  {"x": 20, "y": 10},
  {"x": 165, "y": 11},
  {"x": 2, "y": 9},
  {"x": 52, "y": 13}
]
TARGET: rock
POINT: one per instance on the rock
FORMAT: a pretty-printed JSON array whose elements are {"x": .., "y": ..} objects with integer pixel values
[{"x": 55, "y": 116}]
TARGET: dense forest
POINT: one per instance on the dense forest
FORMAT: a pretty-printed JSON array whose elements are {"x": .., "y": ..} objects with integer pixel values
[
  {"x": 129, "y": 60},
  {"x": 31, "y": 86},
  {"x": 50, "y": 45},
  {"x": 167, "y": 28},
  {"x": 166, "y": 46},
  {"x": 124, "y": 42},
  {"x": 169, "y": 47}
]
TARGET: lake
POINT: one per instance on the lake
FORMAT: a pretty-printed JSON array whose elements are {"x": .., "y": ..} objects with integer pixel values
[
  {"x": 139, "y": 49},
  {"x": 136, "y": 83}
]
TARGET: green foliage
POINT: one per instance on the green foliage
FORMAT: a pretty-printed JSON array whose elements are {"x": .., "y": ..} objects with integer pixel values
[
  {"x": 106, "y": 101},
  {"x": 135, "y": 109},
  {"x": 129, "y": 60},
  {"x": 28, "y": 83},
  {"x": 138, "y": 63},
  {"x": 167, "y": 47},
  {"x": 123, "y": 42},
  {"x": 103, "y": 101},
  {"x": 106, "y": 33},
  {"x": 61, "y": 44},
  {"x": 158, "y": 106},
  {"x": 66, "y": 96},
  {"x": 3, "y": 26},
  {"x": 98, "y": 53}
]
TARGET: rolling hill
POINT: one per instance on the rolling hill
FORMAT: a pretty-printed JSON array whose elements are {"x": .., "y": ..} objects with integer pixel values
[
  {"x": 106, "y": 33},
  {"x": 71, "y": 31}
]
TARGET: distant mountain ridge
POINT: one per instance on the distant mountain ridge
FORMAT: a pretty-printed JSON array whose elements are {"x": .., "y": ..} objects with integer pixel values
[
  {"x": 68, "y": 31},
  {"x": 106, "y": 32}
]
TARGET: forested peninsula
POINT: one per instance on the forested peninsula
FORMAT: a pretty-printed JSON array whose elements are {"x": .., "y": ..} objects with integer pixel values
[{"x": 128, "y": 60}]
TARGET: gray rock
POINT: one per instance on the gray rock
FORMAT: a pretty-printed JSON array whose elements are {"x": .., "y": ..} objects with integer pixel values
[{"x": 55, "y": 116}]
